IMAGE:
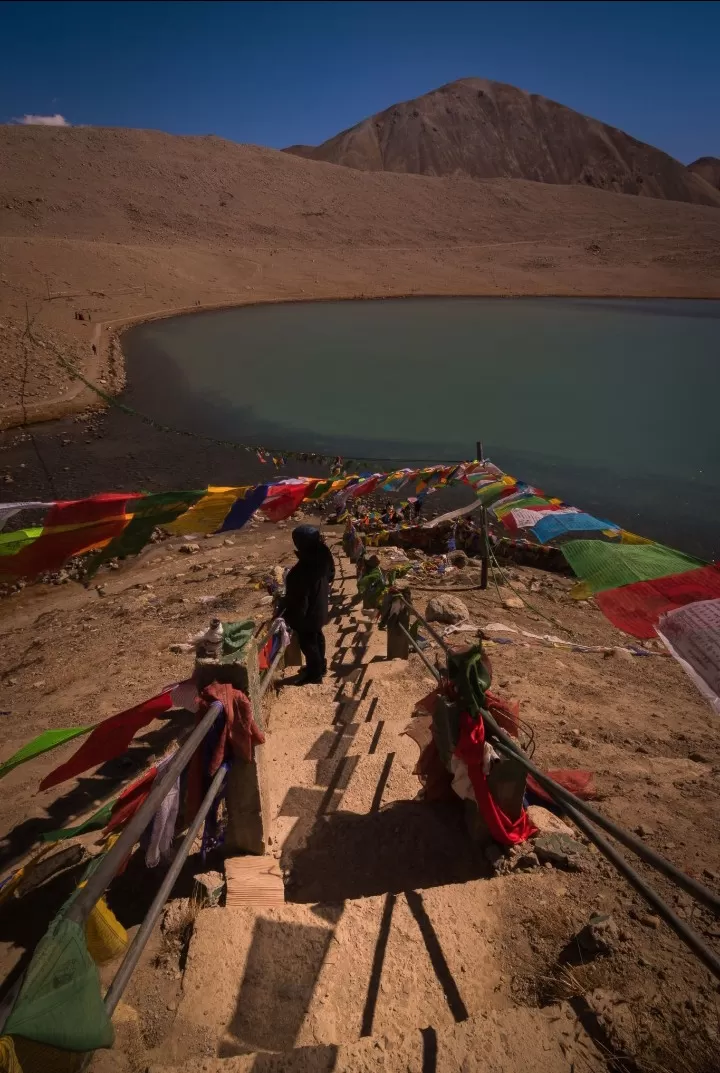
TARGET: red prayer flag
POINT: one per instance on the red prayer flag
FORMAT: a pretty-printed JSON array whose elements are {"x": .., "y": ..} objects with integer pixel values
[
  {"x": 130, "y": 800},
  {"x": 71, "y": 528},
  {"x": 109, "y": 739},
  {"x": 284, "y": 499},
  {"x": 470, "y": 748},
  {"x": 636, "y": 608}
]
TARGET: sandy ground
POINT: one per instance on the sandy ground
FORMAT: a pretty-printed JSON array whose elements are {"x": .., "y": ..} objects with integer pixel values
[
  {"x": 125, "y": 225},
  {"x": 117, "y": 226},
  {"x": 357, "y": 850}
]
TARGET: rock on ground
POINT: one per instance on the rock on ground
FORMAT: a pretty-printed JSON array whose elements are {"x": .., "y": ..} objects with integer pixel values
[{"x": 446, "y": 608}]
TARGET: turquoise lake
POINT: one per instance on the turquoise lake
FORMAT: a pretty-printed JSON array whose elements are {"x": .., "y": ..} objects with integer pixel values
[{"x": 612, "y": 404}]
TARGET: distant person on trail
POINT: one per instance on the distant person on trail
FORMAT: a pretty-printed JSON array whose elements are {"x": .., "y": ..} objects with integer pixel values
[{"x": 307, "y": 595}]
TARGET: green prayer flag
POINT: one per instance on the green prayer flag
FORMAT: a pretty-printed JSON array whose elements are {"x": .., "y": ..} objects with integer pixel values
[
  {"x": 523, "y": 501},
  {"x": 13, "y": 543},
  {"x": 60, "y": 1002},
  {"x": 50, "y": 739},
  {"x": 235, "y": 639},
  {"x": 95, "y": 822},
  {"x": 157, "y": 509},
  {"x": 608, "y": 566},
  {"x": 491, "y": 493}
]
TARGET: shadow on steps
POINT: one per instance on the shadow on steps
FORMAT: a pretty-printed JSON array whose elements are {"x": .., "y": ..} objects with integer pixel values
[{"x": 409, "y": 845}]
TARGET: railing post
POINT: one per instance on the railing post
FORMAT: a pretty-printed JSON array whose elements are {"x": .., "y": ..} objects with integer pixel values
[
  {"x": 483, "y": 529},
  {"x": 398, "y": 646}
]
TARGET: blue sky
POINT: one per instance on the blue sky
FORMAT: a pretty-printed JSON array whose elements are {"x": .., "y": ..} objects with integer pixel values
[{"x": 278, "y": 73}]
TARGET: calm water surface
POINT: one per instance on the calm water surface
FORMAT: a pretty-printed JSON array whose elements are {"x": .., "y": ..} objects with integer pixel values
[{"x": 611, "y": 404}]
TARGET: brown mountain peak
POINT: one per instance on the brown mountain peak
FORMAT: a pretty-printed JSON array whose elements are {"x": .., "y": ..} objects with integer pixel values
[{"x": 485, "y": 130}]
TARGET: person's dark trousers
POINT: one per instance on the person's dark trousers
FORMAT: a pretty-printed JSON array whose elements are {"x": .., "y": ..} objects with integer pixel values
[{"x": 312, "y": 645}]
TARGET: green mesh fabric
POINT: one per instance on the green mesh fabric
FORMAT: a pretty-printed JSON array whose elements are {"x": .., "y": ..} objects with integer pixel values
[{"x": 608, "y": 566}]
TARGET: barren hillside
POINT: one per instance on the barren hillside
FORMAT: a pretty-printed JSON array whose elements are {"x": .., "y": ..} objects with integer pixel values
[
  {"x": 114, "y": 225},
  {"x": 491, "y": 130},
  {"x": 708, "y": 168}
]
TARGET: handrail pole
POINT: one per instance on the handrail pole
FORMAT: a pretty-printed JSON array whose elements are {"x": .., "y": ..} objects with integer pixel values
[
  {"x": 433, "y": 633},
  {"x": 567, "y": 799},
  {"x": 413, "y": 642},
  {"x": 691, "y": 938},
  {"x": 110, "y": 865},
  {"x": 142, "y": 935}
]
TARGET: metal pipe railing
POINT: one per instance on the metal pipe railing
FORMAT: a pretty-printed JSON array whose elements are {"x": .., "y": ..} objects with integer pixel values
[
  {"x": 691, "y": 938},
  {"x": 132, "y": 955},
  {"x": 692, "y": 886},
  {"x": 564, "y": 798},
  {"x": 433, "y": 632},
  {"x": 433, "y": 670},
  {"x": 113, "y": 859},
  {"x": 270, "y": 672}
]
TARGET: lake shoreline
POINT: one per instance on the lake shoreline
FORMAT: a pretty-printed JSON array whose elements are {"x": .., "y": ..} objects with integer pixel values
[
  {"x": 109, "y": 359},
  {"x": 127, "y": 454}
]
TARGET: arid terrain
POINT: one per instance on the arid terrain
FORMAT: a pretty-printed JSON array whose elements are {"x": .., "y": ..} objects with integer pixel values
[
  {"x": 708, "y": 168},
  {"x": 478, "y": 971},
  {"x": 489, "y": 130},
  {"x": 485, "y": 964},
  {"x": 119, "y": 225}
]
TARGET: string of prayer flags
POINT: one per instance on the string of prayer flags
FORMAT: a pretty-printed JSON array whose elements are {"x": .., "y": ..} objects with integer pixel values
[
  {"x": 109, "y": 739},
  {"x": 636, "y": 608},
  {"x": 49, "y": 739}
]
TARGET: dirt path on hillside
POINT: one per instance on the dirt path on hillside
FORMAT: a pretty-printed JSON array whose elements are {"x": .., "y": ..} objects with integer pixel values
[{"x": 355, "y": 846}]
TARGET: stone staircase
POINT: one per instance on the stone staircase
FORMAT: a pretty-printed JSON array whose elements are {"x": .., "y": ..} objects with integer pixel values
[{"x": 388, "y": 952}]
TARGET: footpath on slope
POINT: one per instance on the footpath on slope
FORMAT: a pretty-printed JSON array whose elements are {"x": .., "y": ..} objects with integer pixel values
[
  {"x": 395, "y": 938},
  {"x": 388, "y": 952}
]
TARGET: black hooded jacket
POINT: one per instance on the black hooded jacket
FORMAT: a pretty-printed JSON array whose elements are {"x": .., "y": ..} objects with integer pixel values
[{"x": 307, "y": 588}]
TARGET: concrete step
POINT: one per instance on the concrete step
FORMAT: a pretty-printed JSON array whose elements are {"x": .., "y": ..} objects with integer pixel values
[
  {"x": 495, "y": 1041},
  {"x": 331, "y": 972}
]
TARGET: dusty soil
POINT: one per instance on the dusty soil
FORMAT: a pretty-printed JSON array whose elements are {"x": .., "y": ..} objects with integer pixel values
[
  {"x": 489, "y": 130},
  {"x": 478, "y": 963},
  {"x": 120, "y": 225}
]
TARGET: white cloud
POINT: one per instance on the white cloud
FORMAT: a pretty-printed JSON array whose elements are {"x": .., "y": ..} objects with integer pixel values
[{"x": 56, "y": 120}]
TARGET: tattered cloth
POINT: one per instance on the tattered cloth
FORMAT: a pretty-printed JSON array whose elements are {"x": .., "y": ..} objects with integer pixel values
[
  {"x": 470, "y": 749},
  {"x": 239, "y": 731}
]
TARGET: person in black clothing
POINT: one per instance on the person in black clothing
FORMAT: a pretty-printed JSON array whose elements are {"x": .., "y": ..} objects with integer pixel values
[{"x": 307, "y": 596}]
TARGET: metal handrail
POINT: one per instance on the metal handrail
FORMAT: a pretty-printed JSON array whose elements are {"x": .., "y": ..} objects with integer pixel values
[
  {"x": 574, "y": 805},
  {"x": 142, "y": 935},
  {"x": 708, "y": 957},
  {"x": 433, "y": 632},
  {"x": 433, "y": 670},
  {"x": 110, "y": 865},
  {"x": 565, "y": 797}
]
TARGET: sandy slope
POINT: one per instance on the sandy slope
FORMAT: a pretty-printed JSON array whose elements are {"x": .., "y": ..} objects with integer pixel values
[
  {"x": 73, "y": 655},
  {"x": 119, "y": 224}
]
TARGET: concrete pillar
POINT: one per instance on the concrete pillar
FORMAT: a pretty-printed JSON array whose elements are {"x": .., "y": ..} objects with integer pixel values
[{"x": 248, "y": 812}]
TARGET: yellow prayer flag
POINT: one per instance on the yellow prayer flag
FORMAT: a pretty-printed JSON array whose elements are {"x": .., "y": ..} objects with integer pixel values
[{"x": 208, "y": 513}]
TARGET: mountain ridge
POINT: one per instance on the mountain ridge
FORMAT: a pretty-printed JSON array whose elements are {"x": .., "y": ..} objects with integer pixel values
[
  {"x": 484, "y": 130},
  {"x": 708, "y": 168}
]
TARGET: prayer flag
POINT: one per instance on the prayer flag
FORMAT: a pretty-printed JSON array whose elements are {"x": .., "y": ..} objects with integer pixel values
[{"x": 109, "y": 739}]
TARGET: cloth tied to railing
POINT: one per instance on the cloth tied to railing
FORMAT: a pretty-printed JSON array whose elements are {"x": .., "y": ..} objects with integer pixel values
[
  {"x": 237, "y": 733},
  {"x": 471, "y": 676}
]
